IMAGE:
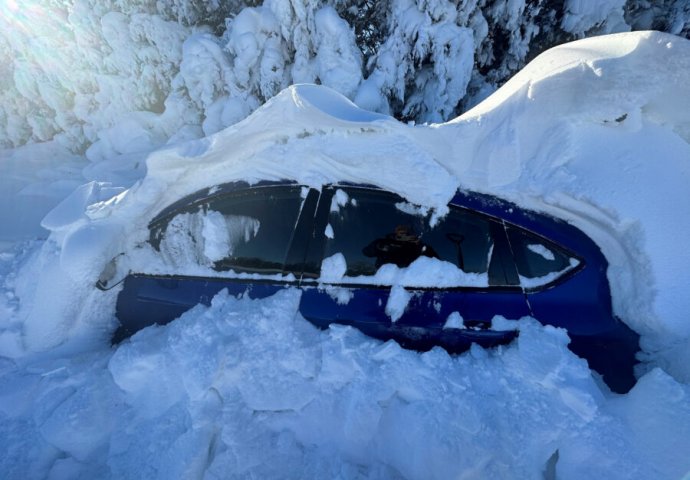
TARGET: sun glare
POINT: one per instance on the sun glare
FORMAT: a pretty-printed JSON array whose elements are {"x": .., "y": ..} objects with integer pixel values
[{"x": 28, "y": 16}]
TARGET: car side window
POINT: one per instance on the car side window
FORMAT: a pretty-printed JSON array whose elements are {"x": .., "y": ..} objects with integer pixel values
[
  {"x": 372, "y": 229},
  {"x": 538, "y": 260},
  {"x": 245, "y": 231}
]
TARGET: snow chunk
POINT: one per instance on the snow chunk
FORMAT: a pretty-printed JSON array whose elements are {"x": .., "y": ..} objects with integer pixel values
[
  {"x": 397, "y": 302},
  {"x": 423, "y": 272},
  {"x": 74, "y": 207},
  {"x": 333, "y": 268},
  {"x": 454, "y": 320},
  {"x": 502, "y": 324},
  {"x": 340, "y": 199},
  {"x": 329, "y": 232}
]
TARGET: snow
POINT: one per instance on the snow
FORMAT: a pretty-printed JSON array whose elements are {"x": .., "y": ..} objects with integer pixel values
[
  {"x": 584, "y": 15},
  {"x": 596, "y": 132},
  {"x": 541, "y": 250},
  {"x": 527, "y": 282},
  {"x": 201, "y": 397},
  {"x": 423, "y": 272},
  {"x": 585, "y": 129},
  {"x": 454, "y": 320},
  {"x": 397, "y": 302},
  {"x": 333, "y": 268}
]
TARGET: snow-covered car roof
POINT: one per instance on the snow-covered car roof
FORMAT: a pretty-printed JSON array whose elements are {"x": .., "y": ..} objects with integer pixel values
[{"x": 596, "y": 132}]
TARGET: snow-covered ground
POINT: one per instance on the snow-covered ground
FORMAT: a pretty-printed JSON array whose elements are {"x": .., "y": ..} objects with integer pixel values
[{"x": 596, "y": 132}]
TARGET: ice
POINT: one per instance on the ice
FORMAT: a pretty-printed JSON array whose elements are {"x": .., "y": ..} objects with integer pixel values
[
  {"x": 182, "y": 242},
  {"x": 201, "y": 239}
]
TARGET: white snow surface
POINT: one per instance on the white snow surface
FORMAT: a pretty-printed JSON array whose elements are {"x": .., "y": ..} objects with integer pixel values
[{"x": 596, "y": 132}]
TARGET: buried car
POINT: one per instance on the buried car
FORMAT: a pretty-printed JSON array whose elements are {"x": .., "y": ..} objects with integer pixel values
[{"x": 366, "y": 257}]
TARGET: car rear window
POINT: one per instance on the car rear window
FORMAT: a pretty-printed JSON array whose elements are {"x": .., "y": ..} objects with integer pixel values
[{"x": 539, "y": 261}]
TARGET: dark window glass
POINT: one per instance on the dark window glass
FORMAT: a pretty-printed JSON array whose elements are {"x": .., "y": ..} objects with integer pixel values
[
  {"x": 536, "y": 257},
  {"x": 248, "y": 231},
  {"x": 372, "y": 228},
  {"x": 463, "y": 238}
]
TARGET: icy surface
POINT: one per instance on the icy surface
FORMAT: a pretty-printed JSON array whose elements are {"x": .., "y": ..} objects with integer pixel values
[{"x": 595, "y": 132}]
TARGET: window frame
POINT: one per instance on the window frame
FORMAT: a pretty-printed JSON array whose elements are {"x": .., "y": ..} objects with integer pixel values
[
  {"x": 317, "y": 249},
  {"x": 547, "y": 242},
  {"x": 298, "y": 243},
  {"x": 307, "y": 243}
]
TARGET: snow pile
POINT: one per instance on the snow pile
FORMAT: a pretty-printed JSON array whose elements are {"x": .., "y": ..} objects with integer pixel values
[
  {"x": 202, "y": 398},
  {"x": 598, "y": 132}
]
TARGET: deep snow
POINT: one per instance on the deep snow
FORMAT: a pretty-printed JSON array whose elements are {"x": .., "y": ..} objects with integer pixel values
[{"x": 596, "y": 132}]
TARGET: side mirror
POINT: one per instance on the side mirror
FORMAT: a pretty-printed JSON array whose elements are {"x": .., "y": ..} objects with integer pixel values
[{"x": 112, "y": 275}]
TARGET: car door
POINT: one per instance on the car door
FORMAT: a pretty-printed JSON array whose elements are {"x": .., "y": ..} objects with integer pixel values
[
  {"x": 384, "y": 266},
  {"x": 249, "y": 240}
]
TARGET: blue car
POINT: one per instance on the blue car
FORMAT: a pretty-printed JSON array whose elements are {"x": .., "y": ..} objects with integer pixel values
[{"x": 366, "y": 257}]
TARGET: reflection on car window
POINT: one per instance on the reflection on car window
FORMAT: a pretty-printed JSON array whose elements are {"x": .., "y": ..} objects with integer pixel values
[
  {"x": 538, "y": 260},
  {"x": 371, "y": 230},
  {"x": 400, "y": 247},
  {"x": 248, "y": 231}
]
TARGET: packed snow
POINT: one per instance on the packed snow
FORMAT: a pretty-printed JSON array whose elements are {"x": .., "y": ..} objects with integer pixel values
[{"x": 596, "y": 132}]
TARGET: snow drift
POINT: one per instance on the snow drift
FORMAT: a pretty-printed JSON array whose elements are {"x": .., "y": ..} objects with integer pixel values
[{"x": 598, "y": 132}]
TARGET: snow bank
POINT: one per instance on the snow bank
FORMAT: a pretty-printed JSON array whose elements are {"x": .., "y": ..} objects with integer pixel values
[
  {"x": 202, "y": 398},
  {"x": 598, "y": 132}
]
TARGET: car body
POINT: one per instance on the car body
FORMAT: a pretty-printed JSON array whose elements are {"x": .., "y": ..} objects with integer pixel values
[{"x": 366, "y": 257}]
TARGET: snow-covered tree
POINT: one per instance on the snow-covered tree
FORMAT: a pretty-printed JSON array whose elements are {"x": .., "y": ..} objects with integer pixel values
[{"x": 78, "y": 71}]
